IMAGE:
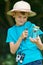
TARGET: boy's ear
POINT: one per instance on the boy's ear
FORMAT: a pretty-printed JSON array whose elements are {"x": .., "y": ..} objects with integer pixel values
[{"x": 13, "y": 14}]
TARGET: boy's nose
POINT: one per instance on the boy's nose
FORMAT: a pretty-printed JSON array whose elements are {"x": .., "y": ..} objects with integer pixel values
[{"x": 22, "y": 19}]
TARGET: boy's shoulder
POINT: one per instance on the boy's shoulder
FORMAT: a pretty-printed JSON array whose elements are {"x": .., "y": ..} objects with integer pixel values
[
  {"x": 11, "y": 28},
  {"x": 29, "y": 23}
]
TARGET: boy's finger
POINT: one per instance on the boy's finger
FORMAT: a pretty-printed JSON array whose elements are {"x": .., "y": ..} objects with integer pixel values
[{"x": 31, "y": 39}]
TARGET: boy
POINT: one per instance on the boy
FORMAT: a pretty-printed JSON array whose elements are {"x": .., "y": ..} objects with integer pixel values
[{"x": 19, "y": 36}]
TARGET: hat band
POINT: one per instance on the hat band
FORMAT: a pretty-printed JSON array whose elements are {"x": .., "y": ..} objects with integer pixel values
[{"x": 27, "y": 10}]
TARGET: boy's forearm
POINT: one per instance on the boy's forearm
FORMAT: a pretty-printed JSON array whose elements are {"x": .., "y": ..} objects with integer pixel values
[
  {"x": 18, "y": 43},
  {"x": 40, "y": 45},
  {"x": 16, "y": 46}
]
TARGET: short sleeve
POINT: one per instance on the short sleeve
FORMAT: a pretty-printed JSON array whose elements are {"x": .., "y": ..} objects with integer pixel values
[
  {"x": 39, "y": 31},
  {"x": 10, "y": 37}
]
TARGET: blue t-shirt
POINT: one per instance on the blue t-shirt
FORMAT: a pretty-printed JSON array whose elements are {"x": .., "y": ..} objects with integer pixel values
[{"x": 30, "y": 49}]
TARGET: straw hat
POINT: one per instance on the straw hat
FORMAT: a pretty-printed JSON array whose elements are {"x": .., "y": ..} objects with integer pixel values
[{"x": 21, "y": 6}]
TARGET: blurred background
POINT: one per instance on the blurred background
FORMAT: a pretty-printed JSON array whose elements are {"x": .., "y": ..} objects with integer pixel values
[{"x": 6, "y": 58}]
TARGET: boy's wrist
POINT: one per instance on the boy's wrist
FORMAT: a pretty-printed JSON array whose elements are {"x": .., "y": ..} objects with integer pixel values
[
  {"x": 21, "y": 37},
  {"x": 39, "y": 43}
]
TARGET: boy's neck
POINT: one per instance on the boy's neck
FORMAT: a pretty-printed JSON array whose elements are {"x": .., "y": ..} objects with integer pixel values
[{"x": 17, "y": 25}]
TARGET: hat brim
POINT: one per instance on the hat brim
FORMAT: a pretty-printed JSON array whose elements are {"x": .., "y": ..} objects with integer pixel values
[{"x": 30, "y": 13}]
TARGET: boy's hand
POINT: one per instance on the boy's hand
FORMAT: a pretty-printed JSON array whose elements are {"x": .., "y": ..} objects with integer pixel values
[
  {"x": 24, "y": 34},
  {"x": 36, "y": 40}
]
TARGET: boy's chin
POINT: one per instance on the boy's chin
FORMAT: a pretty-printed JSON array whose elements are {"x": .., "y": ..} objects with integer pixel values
[{"x": 21, "y": 24}]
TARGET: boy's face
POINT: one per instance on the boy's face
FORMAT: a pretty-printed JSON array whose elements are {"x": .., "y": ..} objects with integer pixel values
[{"x": 20, "y": 18}]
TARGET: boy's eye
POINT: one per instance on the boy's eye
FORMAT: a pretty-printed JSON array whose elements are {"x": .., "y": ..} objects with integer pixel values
[
  {"x": 25, "y": 17},
  {"x": 19, "y": 16}
]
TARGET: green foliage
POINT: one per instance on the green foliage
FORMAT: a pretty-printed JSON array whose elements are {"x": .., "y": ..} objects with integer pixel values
[{"x": 8, "y": 60}]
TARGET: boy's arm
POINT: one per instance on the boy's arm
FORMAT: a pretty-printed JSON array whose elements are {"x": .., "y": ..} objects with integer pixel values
[
  {"x": 14, "y": 47},
  {"x": 40, "y": 45},
  {"x": 38, "y": 42}
]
